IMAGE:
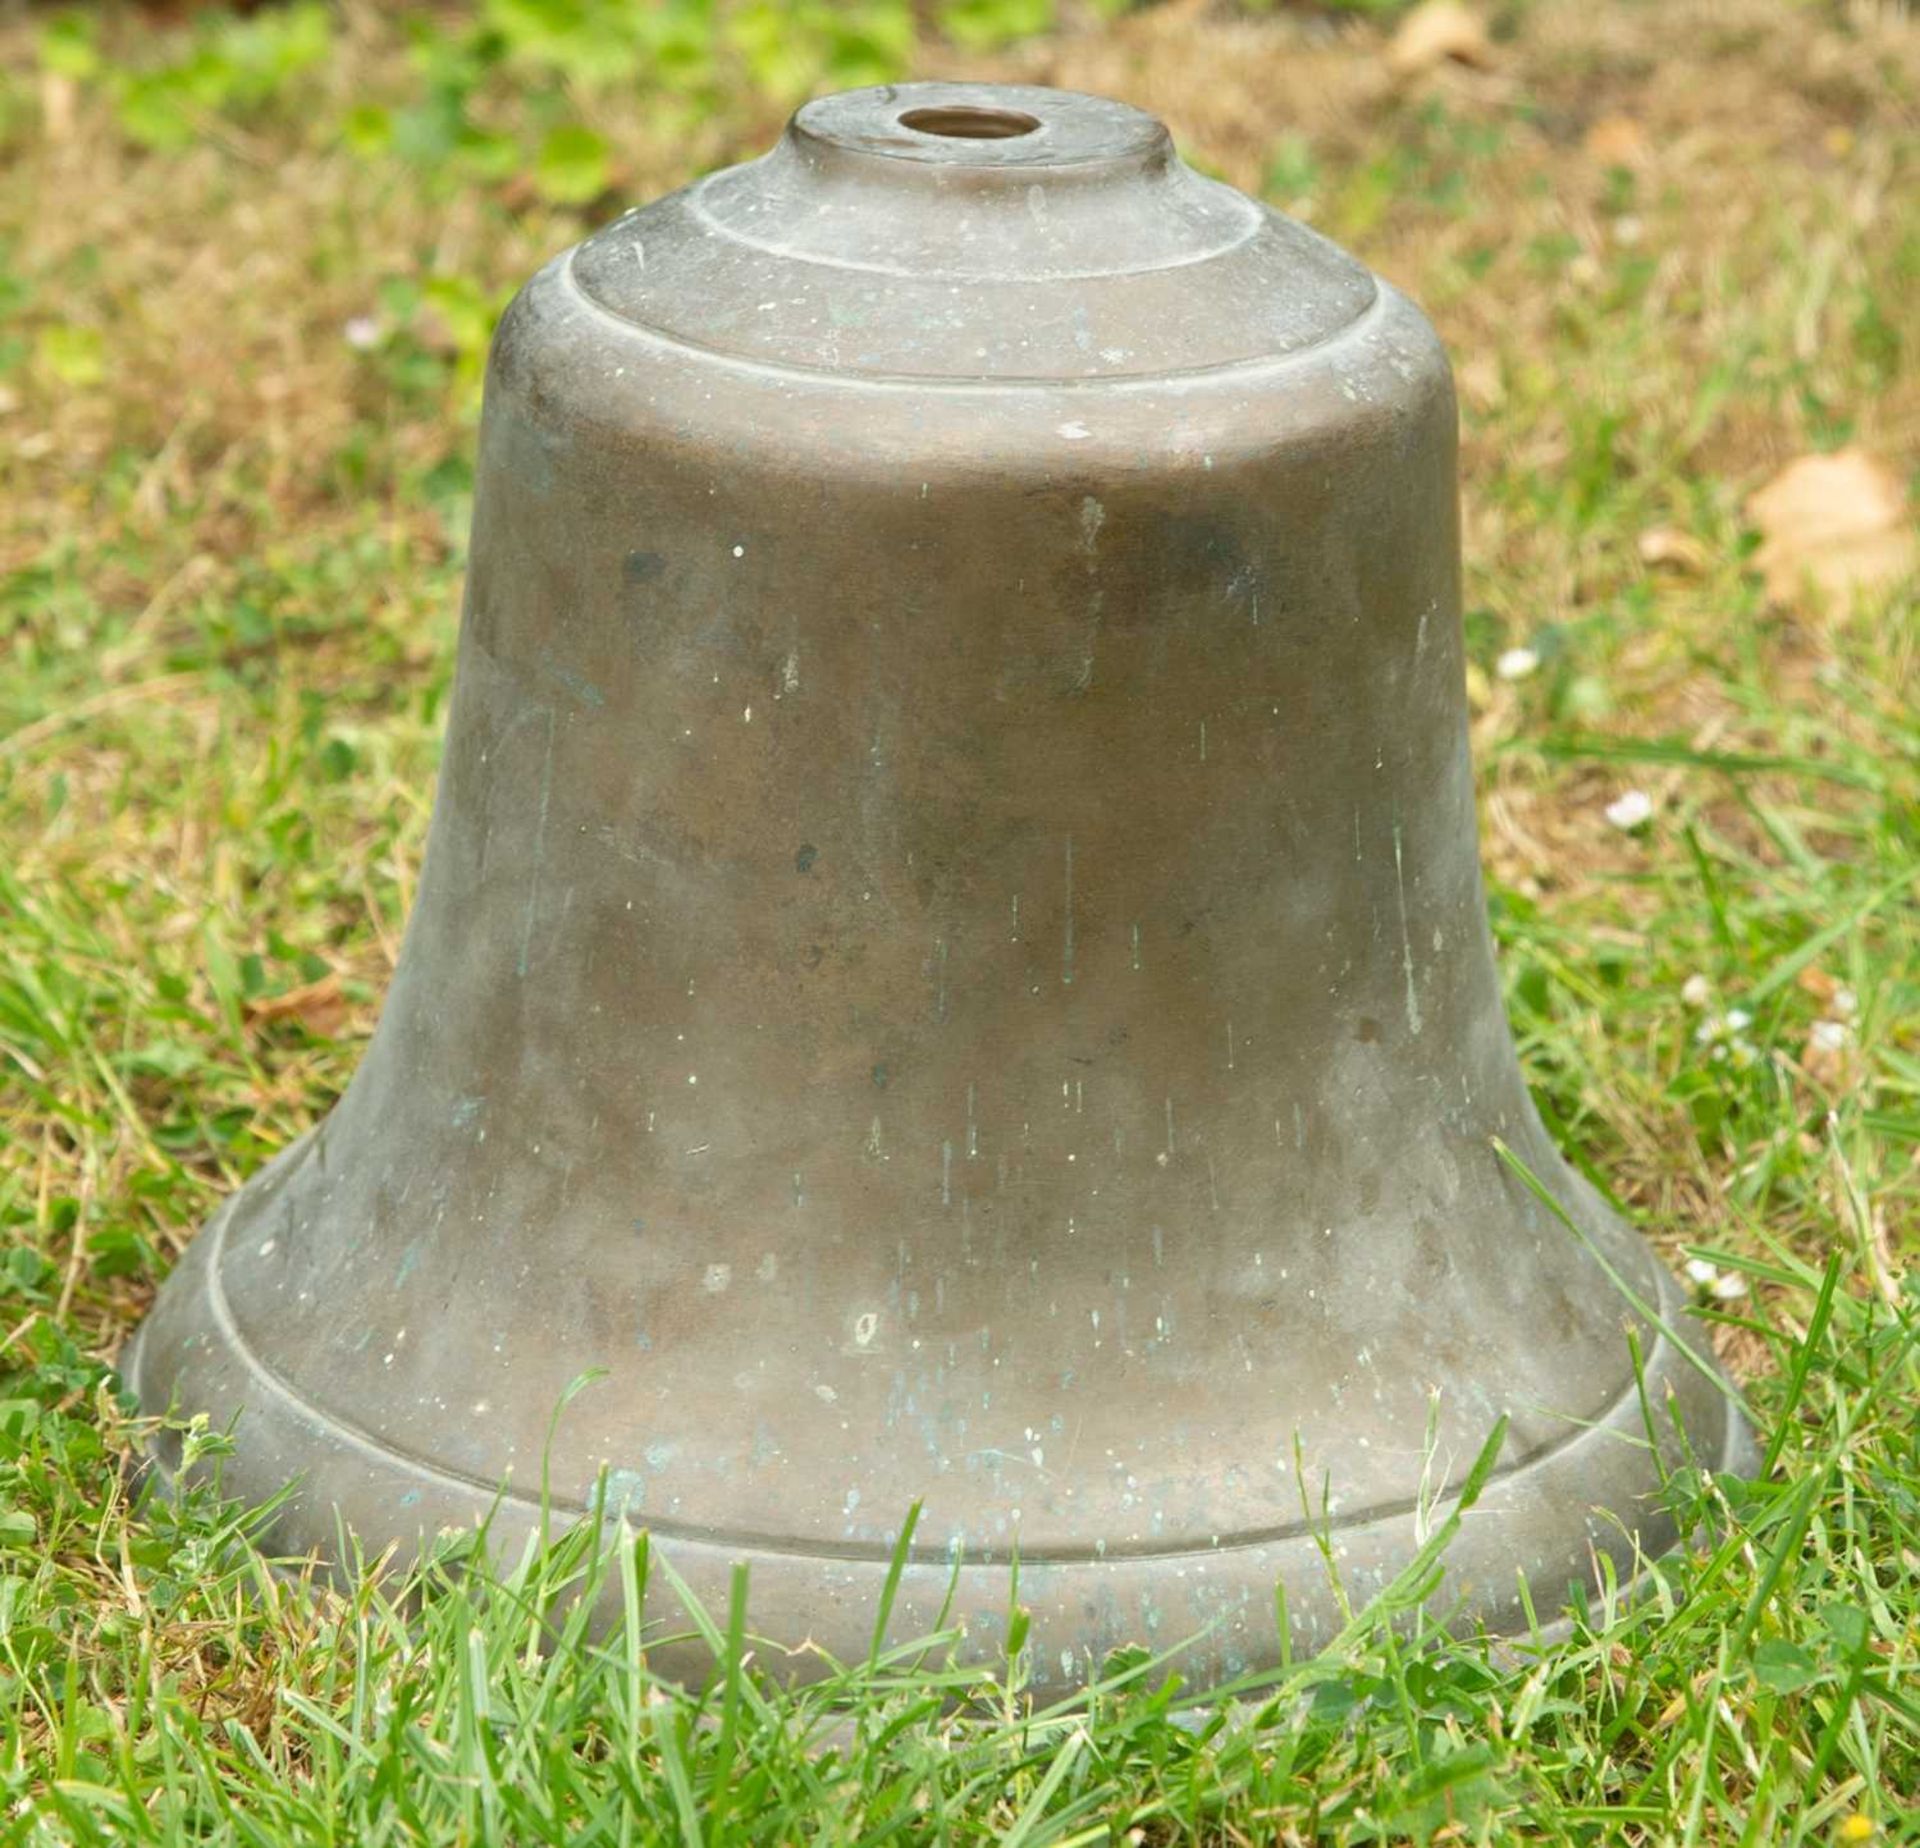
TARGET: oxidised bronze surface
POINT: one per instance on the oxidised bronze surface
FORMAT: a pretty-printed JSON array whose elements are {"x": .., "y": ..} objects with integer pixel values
[{"x": 951, "y": 963}]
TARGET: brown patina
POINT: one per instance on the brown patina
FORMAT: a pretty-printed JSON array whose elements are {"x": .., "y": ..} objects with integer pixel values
[{"x": 951, "y": 966}]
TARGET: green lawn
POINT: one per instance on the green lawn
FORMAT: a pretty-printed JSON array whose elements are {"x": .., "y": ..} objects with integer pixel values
[{"x": 247, "y": 271}]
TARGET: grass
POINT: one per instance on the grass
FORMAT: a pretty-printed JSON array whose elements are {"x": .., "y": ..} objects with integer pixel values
[{"x": 247, "y": 269}]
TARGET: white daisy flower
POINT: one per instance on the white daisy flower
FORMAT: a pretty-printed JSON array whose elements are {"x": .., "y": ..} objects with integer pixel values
[{"x": 1630, "y": 811}]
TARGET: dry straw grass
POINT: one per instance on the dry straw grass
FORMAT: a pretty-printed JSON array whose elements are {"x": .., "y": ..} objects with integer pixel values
[{"x": 1671, "y": 248}]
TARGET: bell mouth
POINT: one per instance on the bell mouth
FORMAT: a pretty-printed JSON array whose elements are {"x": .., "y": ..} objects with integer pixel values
[{"x": 969, "y": 122}]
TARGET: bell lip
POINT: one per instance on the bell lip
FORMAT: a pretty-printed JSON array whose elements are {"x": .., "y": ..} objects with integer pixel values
[
  {"x": 1548, "y": 1521},
  {"x": 1622, "y": 1418}
]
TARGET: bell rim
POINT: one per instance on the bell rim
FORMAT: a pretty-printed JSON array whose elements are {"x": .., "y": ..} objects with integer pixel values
[
  {"x": 1545, "y": 1522},
  {"x": 1621, "y": 1418}
]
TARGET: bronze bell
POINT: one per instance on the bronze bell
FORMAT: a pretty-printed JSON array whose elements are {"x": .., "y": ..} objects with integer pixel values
[{"x": 951, "y": 965}]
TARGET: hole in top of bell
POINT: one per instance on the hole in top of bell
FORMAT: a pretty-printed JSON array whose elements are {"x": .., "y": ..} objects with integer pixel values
[{"x": 969, "y": 122}]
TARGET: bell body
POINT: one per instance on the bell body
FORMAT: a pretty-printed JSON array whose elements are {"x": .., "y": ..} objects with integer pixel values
[{"x": 951, "y": 964}]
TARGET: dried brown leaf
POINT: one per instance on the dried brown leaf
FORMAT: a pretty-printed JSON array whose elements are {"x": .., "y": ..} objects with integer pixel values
[
  {"x": 1836, "y": 522},
  {"x": 1818, "y": 983},
  {"x": 1669, "y": 546},
  {"x": 320, "y": 1007},
  {"x": 1439, "y": 32}
]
